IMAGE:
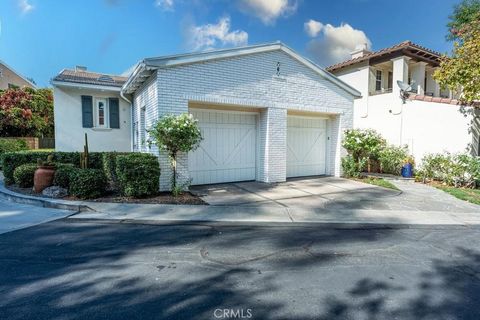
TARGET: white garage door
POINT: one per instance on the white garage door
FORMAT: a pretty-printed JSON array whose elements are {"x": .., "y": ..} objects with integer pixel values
[
  {"x": 227, "y": 152},
  {"x": 306, "y": 146}
]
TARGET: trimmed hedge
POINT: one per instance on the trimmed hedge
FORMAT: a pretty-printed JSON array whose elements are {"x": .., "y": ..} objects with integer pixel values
[
  {"x": 88, "y": 183},
  {"x": 138, "y": 174},
  {"x": 12, "y": 145},
  {"x": 11, "y": 160},
  {"x": 63, "y": 174},
  {"x": 23, "y": 175},
  {"x": 109, "y": 163}
]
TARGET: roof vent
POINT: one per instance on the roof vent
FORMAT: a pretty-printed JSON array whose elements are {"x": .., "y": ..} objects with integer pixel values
[
  {"x": 80, "y": 69},
  {"x": 105, "y": 78}
]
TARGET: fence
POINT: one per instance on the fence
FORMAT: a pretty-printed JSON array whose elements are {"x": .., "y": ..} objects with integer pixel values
[{"x": 46, "y": 143}]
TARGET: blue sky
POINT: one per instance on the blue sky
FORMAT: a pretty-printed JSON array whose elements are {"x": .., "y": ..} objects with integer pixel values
[{"x": 40, "y": 37}]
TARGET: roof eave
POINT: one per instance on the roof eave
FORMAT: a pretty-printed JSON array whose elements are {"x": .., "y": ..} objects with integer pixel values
[{"x": 80, "y": 85}]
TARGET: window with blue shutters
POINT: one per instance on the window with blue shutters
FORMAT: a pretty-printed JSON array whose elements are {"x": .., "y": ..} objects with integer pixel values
[{"x": 100, "y": 112}]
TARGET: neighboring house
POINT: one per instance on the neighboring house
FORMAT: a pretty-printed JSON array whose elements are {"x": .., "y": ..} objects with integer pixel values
[
  {"x": 265, "y": 112},
  {"x": 89, "y": 102},
  {"x": 429, "y": 121},
  {"x": 9, "y": 78}
]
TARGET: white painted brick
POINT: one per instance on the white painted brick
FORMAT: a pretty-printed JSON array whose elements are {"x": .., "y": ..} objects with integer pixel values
[{"x": 250, "y": 81}]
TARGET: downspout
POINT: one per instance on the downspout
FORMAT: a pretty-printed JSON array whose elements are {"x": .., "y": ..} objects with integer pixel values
[{"x": 131, "y": 118}]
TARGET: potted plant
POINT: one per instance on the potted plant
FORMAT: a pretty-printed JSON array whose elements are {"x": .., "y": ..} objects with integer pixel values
[
  {"x": 407, "y": 168},
  {"x": 43, "y": 177}
]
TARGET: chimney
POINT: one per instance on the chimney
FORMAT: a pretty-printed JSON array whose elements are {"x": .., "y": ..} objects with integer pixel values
[
  {"x": 80, "y": 69},
  {"x": 360, "y": 51}
]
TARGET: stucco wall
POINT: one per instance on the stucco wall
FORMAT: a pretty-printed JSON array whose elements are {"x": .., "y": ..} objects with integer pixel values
[
  {"x": 7, "y": 76},
  {"x": 251, "y": 81},
  {"x": 426, "y": 127},
  {"x": 69, "y": 133}
]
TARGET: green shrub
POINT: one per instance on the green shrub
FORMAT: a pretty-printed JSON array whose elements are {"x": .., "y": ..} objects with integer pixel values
[
  {"x": 138, "y": 174},
  {"x": 352, "y": 168},
  {"x": 88, "y": 183},
  {"x": 361, "y": 143},
  {"x": 63, "y": 175},
  {"x": 11, "y": 160},
  {"x": 392, "y": 159},
  {"x": 460, "y": 170},
  {"x": 12, "y": 145},
  {"x": 109, "y": 162},
  {"x": 23, "y": 175}
]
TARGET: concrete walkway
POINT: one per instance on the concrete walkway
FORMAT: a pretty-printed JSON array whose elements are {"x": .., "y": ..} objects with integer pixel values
[
  {"x": 319, "y": 200},
  {"x": 14, "y": 216}
]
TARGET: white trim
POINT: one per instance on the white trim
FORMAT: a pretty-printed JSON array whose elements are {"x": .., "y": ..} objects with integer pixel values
[
  {"x": 85, "y": 86},
  {"x": 222, "y": 111},
  {"x": 176, "y": 60},
  {"x": 18, "y": 74}
]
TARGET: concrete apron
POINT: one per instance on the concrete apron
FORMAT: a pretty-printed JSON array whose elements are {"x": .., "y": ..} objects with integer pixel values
[{"x": 263, "y": 213}]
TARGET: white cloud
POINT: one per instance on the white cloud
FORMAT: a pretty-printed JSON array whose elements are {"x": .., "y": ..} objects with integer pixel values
[
  {"x": 334, "y": 44},
  {"x": 25, "y": 6},
  {"x": 165, "y": 5},
  {"x": 269, "y": 10},
  {"x": 209, "y": 36},
  {"x": 312, "y": 27}
]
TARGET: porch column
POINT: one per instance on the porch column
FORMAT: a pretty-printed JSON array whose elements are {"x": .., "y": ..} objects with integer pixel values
[
  {"x": 400, "y": 72},
  {"x": 418, "y": 75}
]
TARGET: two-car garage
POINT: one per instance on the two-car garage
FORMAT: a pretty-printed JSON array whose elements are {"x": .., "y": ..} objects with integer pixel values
[{"x": 230, "y": 150}]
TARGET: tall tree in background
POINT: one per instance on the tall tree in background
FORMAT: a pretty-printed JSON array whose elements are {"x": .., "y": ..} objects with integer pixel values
[
  {"x": 461, "y": 71},
  {"x": 464, "y": 14},
  {"x": 26, "y": 113}
]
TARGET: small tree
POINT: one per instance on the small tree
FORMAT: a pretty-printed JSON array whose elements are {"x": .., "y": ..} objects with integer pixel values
[{"x": 175, "y": 134}]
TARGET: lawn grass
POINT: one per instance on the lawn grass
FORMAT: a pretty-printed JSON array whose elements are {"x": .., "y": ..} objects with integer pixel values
[
  {"x": 378, "y": 182},
  {"x": 470, "y": 195}
]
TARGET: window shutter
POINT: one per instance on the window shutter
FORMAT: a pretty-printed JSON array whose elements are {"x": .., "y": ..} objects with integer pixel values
[
  {"x": 114, "y": 113},
  {"x": 87, "y": 111}
]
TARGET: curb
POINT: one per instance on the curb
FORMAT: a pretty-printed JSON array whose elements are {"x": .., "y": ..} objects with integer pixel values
[
  {"x": 260, "y": 224},
  {"x": 41, "y": 202}
]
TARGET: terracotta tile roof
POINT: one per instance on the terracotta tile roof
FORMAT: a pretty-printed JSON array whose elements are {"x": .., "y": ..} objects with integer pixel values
[
  {"x": 433, "y": 99},
  {"x": 87, "y": 77},
  {"x": 401, "y": 46}
]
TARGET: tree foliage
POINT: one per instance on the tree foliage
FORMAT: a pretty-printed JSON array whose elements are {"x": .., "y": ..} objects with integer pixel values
[
  {"x": 464, "y": 14},
  {"x": 175, "y": 134},
  {"x": 26, "y": 112},
  {"x": 461, "y": 71}
]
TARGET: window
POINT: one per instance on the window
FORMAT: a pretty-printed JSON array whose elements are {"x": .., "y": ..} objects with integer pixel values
[
  {"x": 378, "y": 80},
  {"x": 390, "y": 80},
  {"x": 101, "y": 113}
]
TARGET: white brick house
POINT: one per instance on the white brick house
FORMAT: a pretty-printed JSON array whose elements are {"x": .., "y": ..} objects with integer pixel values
[{"x": 265, "y": 113}]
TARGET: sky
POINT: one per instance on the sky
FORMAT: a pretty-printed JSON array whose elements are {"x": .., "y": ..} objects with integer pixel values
[{"x": 39, "y": 38}]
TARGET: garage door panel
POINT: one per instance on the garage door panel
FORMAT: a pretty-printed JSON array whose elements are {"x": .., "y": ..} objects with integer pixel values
[
  {"x": 227, "y": 151},
  {"x": 306, "y": 146}
]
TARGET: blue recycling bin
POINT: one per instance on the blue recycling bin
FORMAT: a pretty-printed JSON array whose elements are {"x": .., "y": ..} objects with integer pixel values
[{"x": 407, "y": 170}]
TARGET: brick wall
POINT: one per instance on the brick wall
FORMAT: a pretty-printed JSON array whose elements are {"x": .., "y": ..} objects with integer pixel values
[{"x": 251, "y": 81}]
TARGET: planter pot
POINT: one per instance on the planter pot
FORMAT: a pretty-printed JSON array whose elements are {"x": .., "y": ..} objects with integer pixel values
[{"x": 43, "y": 178}]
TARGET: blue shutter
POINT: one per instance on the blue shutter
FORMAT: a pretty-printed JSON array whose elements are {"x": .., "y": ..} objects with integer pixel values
[
  {"x": 87, "y": 111},
  {"x": 114, "y": 113}
]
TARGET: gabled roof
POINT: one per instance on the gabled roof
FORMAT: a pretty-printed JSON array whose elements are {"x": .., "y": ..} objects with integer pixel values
[
  {"x": 18, "y": 74},
  {"x": 87, "y": 77},
  {"x": 407, "y": 48},
  {"x": 146, "y": 67}
]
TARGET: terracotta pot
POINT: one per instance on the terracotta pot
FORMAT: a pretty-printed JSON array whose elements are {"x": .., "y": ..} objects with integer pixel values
[{"x": 43, "y": 178}]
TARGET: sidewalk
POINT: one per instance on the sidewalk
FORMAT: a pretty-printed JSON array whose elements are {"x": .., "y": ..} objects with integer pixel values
[{"x": 245, "y": 214}]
